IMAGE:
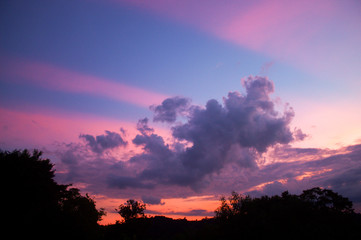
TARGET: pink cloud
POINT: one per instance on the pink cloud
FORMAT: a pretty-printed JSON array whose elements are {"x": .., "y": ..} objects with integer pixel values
[
  {"x": 37, "y": 129},
  {"x": 44, "y": 127},
  {"x": 275, "y": 26},
  {"x": 57, "y": 78},
  {"x": 303, "y": 33},
  {"x": 259, "y": 25}
]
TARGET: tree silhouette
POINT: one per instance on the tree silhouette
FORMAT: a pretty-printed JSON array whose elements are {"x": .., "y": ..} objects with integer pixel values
[
  {"x": 231, "y": 208},
  {"x": 327, "y": 199},
  {"x": 80, "y": 212},
  {"x": 42, "y": 206},
  {"x": 28, "y": 182},
  {"x": 131, "y": 209},
  {"x": 316, "y": 213}
]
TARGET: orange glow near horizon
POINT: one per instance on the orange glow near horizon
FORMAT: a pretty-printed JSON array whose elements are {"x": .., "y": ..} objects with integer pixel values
[{"x": 176, "y": 208}]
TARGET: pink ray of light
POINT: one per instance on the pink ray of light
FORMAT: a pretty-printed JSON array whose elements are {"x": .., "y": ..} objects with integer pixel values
[
  {"x": 57, "y": 78},
  {"x": 305, "y": 34}
]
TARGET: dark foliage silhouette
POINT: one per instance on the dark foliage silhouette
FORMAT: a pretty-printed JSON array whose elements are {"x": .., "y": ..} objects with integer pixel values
[
  {"x": 131, "y": 209},
  {"x": 160, "y": 228},
  {"x": 316, "y": 213},
  {"x": 327, "y": 199},
  {"x": 314, "y": 199},
  {"x": 43, "y": 208},
  {"x": 38, "y": 207}
]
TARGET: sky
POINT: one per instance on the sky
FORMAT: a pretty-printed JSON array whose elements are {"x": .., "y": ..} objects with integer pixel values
[{"x": 176, "y": 103}]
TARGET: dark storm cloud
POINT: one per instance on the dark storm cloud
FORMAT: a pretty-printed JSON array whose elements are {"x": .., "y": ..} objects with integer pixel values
[
  {"x": 170, "y": 108},
  {"x": 102, "y": 142},
  {"x": 194, "y": 212},
  {"x": 213, "y": 136},
  {"x": 152, "y": 200},
  {"x": 122, "y": 182}
]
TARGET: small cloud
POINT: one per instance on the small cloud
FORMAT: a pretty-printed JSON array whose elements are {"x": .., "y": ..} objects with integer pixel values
[
  {"x": 122, "y": 182},
  {"x": 152, "y": 200},
  {"x": 143, "y": 128},
  {"x": 299, "y": 135},
  {"x": 100, "y": 143},
  {"x": 194, "y": 212},
  {"x": 169, "y": 109}
]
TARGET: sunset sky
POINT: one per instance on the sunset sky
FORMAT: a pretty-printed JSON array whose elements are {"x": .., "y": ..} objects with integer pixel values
[{"x": 179, "y": 102}]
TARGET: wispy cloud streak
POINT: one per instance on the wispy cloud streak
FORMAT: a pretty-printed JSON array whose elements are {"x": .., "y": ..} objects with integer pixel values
[
  {"x": 299, "y": 32},
  {"x": 57, "y": 78}
]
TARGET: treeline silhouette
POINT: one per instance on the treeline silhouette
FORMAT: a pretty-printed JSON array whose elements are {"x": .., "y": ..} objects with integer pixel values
[{"x": 35, "y": 206}]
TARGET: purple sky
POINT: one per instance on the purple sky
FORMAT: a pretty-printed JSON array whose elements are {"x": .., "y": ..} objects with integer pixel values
[{"x": 178, "y": 102}]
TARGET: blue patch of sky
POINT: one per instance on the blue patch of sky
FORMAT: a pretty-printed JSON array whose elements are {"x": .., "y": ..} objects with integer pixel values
[
  {"x": 127, "y": 45},
  {"x": 295, "y": 83},
  {"x": 35, "y": 99},
  {"x": 131, "y": 46}
]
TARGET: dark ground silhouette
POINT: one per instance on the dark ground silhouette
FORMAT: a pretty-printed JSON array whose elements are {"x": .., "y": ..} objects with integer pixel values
[{"x": 35, "y": 206}]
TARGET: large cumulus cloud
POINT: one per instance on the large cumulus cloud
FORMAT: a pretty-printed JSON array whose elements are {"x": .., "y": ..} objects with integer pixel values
[
  {"x": 213, "y": 149},
  {"x": 213, "y": 136}
]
